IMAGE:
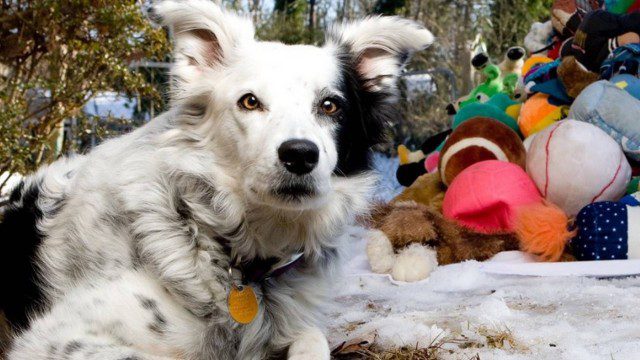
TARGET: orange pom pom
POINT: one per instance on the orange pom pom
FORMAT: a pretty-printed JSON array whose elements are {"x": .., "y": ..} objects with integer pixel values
[{"x": 542, "y": 229}]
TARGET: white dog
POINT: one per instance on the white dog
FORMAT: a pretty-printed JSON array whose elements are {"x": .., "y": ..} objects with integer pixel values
[{"x": 211, "y": 232}]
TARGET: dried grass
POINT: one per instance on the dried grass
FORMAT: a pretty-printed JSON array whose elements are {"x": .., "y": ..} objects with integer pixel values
[{"x": 501, "y": 339}]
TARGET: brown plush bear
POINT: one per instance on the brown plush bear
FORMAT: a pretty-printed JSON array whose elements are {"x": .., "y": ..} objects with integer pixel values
[
  {"x": 409, "y": 240},
  {"x": 476, "y": 140},
  {"x": 574, "y": 76}
]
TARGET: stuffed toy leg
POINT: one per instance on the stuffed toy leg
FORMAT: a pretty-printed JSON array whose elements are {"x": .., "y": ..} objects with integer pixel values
[{"x": 613, "y": 110}]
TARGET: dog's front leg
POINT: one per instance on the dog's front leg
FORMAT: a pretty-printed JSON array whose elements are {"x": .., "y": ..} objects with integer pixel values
[
  {"x": 166, "y": 245},
  {"x": 310, "y": 345}
]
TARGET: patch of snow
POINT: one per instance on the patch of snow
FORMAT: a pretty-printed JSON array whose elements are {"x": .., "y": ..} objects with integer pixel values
[
  {"x": 385, "y": 167},
  {"x": 545, "y": 317},
  {"x": 419, "y": 86},
  {"x": 467, "y": 277},
  {"x": 110, "y": 103},
  {"x": 399, "y": 329}
]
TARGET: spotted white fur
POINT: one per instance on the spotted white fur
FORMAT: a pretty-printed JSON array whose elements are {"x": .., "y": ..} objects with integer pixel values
[{"x": 132, "y": 262}]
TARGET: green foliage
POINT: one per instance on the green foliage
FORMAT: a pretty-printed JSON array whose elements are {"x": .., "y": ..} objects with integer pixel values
[
  {"x": 510, "y": 20},
  {"x": 54, "y": 56},
  {"x": 288, "y": 23},
  {"x": 388, "y": 7}
]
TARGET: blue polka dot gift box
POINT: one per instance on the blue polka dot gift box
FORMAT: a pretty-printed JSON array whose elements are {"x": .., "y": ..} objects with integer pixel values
[{"x": 607, "y": 231}]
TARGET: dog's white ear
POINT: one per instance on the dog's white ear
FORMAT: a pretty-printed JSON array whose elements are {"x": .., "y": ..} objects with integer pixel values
[
  {"x": 204, "y": 34},
  {"x": 380, "y": 47}
]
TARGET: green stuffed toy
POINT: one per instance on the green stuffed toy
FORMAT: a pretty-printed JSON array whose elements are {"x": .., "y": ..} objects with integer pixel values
[
  {"x": 499, "y": 107},
  {"x": 621, "y": 6},
  {"x": 492, "y": 85},
  {"x": 501, "y": 78}
]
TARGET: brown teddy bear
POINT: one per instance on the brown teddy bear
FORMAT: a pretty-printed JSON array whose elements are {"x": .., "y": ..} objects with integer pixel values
[{"x": 410, "y": 239}]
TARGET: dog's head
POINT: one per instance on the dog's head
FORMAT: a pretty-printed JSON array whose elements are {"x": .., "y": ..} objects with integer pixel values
[{"x": 289, "y": 120}]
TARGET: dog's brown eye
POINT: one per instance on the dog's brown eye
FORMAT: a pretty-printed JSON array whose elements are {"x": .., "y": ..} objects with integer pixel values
[
  {"x": 329, "y": 107},
  {"x": 249, "y": 102}
]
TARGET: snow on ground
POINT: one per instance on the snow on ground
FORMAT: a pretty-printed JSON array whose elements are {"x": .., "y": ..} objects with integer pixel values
[
  {"x": 467, "y": 309},
  {"x": 388, "y": 186},
  {"x": 472, "y": 312}
]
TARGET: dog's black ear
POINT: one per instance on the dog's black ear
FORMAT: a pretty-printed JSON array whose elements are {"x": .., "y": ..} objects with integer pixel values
[
  {"x": 204, "y": 34},
  {"x": 380, "y": 46}
]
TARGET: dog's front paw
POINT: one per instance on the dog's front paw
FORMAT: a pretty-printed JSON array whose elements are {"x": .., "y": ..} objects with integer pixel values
[
  {"x": 312, "y": 345},
  {"x": 414, "y": 263}
]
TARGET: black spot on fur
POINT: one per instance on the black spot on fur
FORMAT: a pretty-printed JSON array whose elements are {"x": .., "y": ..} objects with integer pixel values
[
  {"x": 183, "y": 210},
  {"x": 363, "y": 119},
  {"x": 51, "y": 351},
  {"x": 329, "y": 255},
  {"x": 16, "y": 193},
  {"x": 71, "y": 347},
  {"x": 159, "y": 323},
  {"x": 19, "y": 240},
  {"x": 147, "y": 303}
]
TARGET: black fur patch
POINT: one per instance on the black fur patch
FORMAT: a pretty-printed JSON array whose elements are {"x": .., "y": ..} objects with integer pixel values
[
  {"x": 19, "y": 240},
  {"x": 363, "y": 120},
  {"x": 71, "y": 348},
  {"x": 159, "y": 323}
]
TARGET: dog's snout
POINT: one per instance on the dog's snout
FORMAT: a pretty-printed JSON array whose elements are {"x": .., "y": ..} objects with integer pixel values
[{"x": 299, "y": 156}]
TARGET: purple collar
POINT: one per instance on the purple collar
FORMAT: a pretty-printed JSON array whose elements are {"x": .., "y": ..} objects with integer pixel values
[{"x": 259, "y": 270}]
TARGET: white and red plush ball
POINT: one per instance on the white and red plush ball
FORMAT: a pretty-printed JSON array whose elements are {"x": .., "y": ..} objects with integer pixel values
[
  {"x": 479, "y": 139},
  {"x": 574, "y": 163}
]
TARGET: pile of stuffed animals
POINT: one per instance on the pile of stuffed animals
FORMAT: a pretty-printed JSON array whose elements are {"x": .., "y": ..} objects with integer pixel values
[{"x": 540, "y": 156}]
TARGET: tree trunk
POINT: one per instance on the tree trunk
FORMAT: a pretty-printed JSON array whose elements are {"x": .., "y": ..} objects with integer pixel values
[
  {"x": 312, "y": 16},
  {"x": 464, "y": 51}
]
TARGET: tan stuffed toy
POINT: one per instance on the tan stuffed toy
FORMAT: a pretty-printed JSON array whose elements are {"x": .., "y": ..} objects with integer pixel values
[{"x": 428, "y": 190}]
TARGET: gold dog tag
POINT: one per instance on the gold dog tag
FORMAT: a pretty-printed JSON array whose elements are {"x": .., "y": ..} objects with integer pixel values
[{"x": 243, "y": 304}]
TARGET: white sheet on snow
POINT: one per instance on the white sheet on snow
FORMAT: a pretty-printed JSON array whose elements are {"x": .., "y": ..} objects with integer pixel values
[{"x": 549, "y": 316}]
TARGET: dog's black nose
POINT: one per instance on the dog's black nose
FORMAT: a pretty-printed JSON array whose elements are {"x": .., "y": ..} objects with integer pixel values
[{"x": 299, "y": 156}]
